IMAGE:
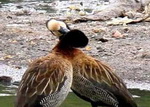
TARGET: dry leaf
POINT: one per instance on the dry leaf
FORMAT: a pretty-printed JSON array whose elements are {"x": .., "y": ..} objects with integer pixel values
[
  {"x": 1, "y": 59},
  {"x": 87, "y": 48},
  {"x": 147, "y": 19},
  {"x": 8, "y": 57},
  {"x": 73, "y": 7},
  {"x": 147, "y": 9},
  {"x": 120, "y": 21}
]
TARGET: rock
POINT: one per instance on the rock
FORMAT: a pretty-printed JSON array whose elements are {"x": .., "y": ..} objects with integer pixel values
[
  {"x": 100, "y": 49},
  {"x": 102, "y": 40},
  {"x": 5, "y": 80},
  {"x": 117, "y": 34},
  {"x": 146, "y": 55},
  {"x": 19, "y": 7},
  {"x": 82, "y": 13},
  {"x": 16, "y": 83},
  {"x": 18, "y": 67},
  {"x": 9, "y": 17},
  {"x": 99, "y": 30}
]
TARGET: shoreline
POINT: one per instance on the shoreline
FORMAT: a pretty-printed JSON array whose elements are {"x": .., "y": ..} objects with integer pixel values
[{"x": 16, "y": 75}]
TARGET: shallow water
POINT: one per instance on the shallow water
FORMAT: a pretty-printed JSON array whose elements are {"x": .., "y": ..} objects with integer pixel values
[
  {"x": 56, "y": 6},
  {"x": 8, "y": 94},
  {"x": 142, "y": 97}
]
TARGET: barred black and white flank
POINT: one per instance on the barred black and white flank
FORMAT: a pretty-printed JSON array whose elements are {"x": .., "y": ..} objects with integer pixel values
[{"x": 93, "y": 80}]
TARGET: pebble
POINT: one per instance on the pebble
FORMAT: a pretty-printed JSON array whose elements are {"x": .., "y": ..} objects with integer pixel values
[
  {"x": 146, "y": 55},
  {"x": 117, "y": 34}
]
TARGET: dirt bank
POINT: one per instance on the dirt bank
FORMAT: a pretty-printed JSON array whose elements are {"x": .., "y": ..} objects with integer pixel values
[{"x": 24, "y": 37}]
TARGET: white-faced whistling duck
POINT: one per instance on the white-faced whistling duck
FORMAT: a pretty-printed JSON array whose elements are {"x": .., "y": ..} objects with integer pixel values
[
  {"x": 94, "y": 81},
  {"x": 48, "y": 80}
]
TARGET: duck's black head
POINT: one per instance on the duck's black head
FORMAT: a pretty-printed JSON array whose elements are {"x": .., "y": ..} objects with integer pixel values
[{"x": 68, "y": 38}]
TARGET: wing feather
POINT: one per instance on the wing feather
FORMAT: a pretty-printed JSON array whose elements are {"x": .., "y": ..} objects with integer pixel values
[
  {"x": 47, "y": 90},
  {"x": 43, "y": 77},
  {"x": 93, "y": 69},
  {"x": 101, "y": 75}
]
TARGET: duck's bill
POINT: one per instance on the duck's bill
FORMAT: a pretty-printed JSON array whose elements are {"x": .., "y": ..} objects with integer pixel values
[{"x": 63, "y": 30}]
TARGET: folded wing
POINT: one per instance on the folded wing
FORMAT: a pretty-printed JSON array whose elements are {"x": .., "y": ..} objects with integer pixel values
[
  {"x": 46, "y": 82},
  {"x": 99, "y": 83}
]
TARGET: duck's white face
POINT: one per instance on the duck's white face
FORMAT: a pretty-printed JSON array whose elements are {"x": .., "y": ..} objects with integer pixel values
[{"x": 58, "y": 28}]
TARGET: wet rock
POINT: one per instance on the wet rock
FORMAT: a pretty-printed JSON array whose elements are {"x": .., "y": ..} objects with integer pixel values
[
  {"x": 5, "y": 80},
  {"x": 16, "y": 83},
  {"x": 19, "y": 7}
]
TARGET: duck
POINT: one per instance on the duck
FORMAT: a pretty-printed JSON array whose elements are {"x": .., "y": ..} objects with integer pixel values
[
  {"x": 48, "y": 79},
  {"x": 95, "y": 81}
]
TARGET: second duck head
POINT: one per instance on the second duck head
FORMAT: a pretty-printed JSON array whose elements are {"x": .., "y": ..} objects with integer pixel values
[{"x": 72, "y": 38}]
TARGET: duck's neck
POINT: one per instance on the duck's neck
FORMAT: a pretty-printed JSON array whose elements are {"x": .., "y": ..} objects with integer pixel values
[{"x": 66, "y": 51}]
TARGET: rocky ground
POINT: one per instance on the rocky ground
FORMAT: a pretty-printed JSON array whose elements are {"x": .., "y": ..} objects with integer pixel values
[{"x": 24, "y": 37}]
